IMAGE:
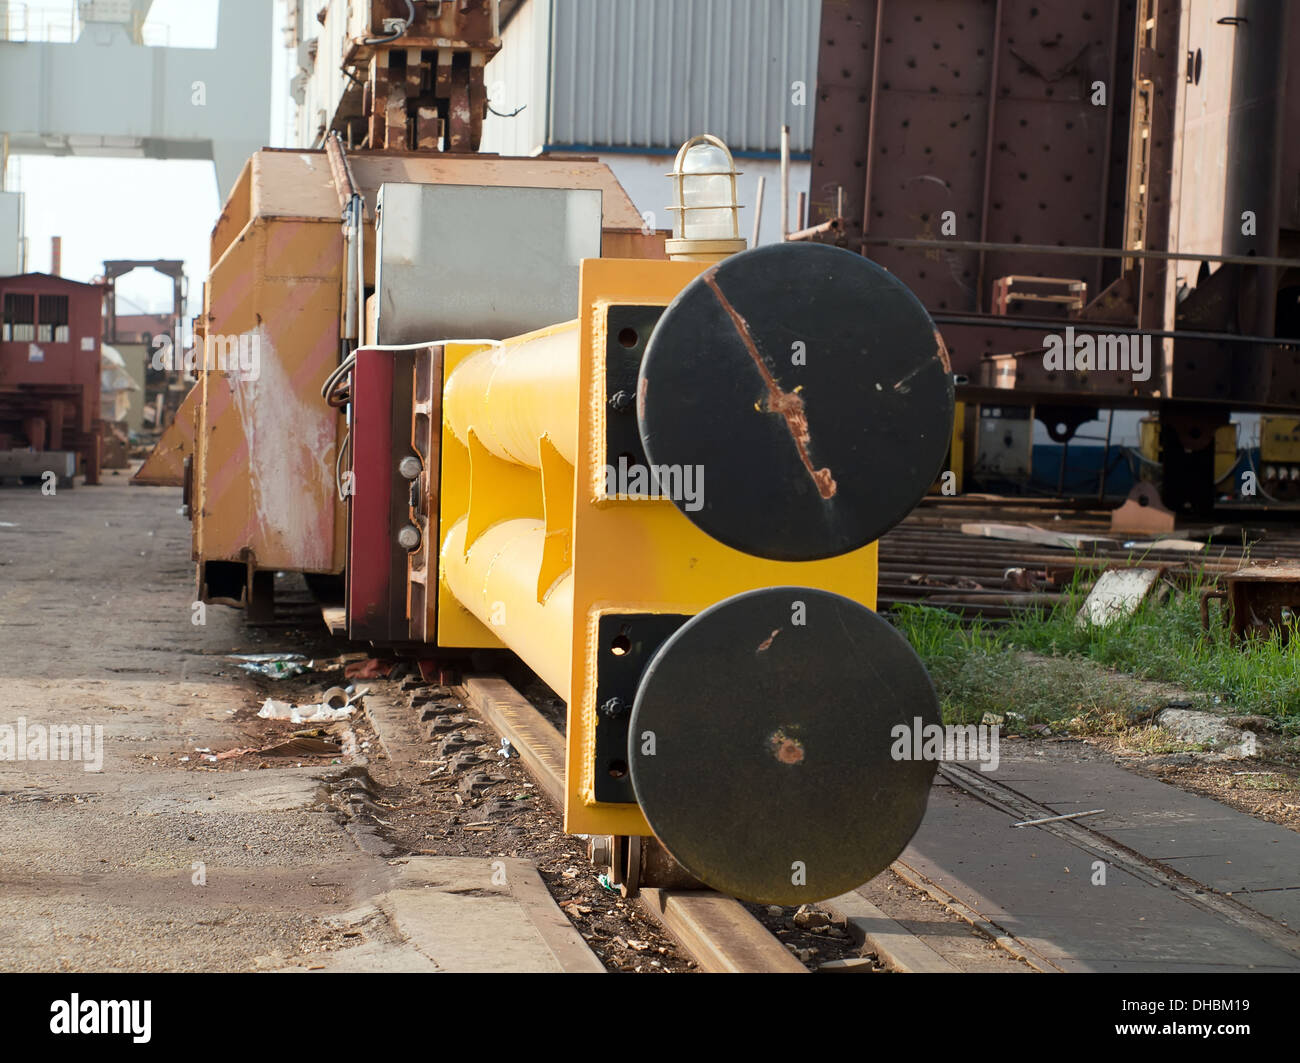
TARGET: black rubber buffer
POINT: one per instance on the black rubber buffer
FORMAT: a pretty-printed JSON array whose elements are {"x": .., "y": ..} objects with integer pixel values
[
  {"x": 765, "y": 745},
  {"x": 810, "y": 388}
]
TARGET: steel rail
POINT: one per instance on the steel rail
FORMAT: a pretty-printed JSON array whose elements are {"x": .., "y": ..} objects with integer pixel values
[{"x": 717, "y": 931}]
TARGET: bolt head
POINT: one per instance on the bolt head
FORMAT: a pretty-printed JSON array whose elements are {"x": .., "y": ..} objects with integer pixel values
[{"x": 614, "y": 708}]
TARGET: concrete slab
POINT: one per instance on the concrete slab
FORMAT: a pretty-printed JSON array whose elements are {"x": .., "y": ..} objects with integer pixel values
[
  {"x": 899, "y": 949},
  {"x": 1039, "y": 888},
  {"x": 63, "y": 463},
  {"x": 1207, "y": 841},
  {"x": 472, "y": 915}
]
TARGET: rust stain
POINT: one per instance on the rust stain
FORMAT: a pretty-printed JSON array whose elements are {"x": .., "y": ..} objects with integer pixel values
[
  {"x": 943, "y": 351},
  {"x": 788, "y": 404},
  {"x": 786, "y": 749},
  {"x": 766, "y": 644}
]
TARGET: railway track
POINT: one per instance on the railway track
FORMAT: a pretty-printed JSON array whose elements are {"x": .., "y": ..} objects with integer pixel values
[{"x": 717, "y": 931}]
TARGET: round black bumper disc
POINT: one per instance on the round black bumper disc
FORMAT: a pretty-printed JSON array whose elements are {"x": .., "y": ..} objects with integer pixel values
[
  {"x": 765, "y": 748},
  {"x": 813, "y": 391}
]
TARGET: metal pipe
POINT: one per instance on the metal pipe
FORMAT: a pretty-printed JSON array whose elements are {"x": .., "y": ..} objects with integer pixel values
[
  {"x": 832, "y": 226},
  {"x": 345, "y": 183},
  {"x": 990, "y": 131},
  {"x": 785, "y": 183},
  {"x": 352, "y": 204},
  {"x": 350, "y": 291},
  {"x": 873, "y": 99},
  {"x": 997, "y": 321},
  {"x": 758, "y": 210},
  {"x": 359, "y": 213},
  {"x": 1105, "y": 458}
]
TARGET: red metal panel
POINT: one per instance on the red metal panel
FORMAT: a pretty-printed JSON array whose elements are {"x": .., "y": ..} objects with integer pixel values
[
  {"x": 369, "y": 532},
  {"x": 928, "y": 145},
  {"x": 60, "y": 363}
]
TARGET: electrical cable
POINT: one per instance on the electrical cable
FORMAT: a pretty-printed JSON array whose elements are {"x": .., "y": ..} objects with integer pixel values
[
  {"x": 1259, "y": 480},
  {"x": 345, "y": 366},
  {"x": 403, "y": 27},
  {"x": 338, "y": 466}
]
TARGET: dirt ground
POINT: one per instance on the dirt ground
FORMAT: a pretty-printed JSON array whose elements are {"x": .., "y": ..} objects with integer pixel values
[
  {"x": 148, "y": 864},
  {"x": 214, "y": 839},
  {"x": 1266, "y": 785}
]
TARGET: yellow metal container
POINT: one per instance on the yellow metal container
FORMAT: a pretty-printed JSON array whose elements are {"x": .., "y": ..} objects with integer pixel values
[{"x": 1279, "y": 439}]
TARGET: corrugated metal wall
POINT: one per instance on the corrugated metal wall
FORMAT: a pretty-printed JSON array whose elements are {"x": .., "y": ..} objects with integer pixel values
[
  {"x": 652, "y": 73},
  {"x": 519, "y": 76}
]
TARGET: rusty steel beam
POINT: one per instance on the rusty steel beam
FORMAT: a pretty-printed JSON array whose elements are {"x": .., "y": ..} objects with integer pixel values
[{"x": 1080, "y": 252}]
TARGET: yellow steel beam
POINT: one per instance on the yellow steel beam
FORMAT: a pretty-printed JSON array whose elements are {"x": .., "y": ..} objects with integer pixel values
[
  {"x": 515, "y": 394},
  {"x": 165, "y": 465},
  {"x": 524, "y": 431}
]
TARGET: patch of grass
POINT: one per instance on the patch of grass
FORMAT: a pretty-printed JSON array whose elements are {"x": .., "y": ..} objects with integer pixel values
[
  {"x": 975, "y": 671},
  {"x": 980, "y": 668},
  {"x": 1151, "y": 741}
]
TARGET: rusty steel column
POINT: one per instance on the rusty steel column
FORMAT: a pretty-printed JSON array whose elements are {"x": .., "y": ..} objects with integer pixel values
[
  {"x": 990, "y": 131},
  {"x": 1254, "y": 178},
  {"x": 845, "y": 67},
  {"x": 1158, "y": 67}
]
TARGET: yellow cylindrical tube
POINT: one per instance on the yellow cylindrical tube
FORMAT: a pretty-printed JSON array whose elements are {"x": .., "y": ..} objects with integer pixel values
[
  {"x": 496, "y": 580},
  {"x": 514, "y": 395}
]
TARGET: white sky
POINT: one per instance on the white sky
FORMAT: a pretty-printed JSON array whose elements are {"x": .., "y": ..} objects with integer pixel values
[{"x": 136, "y": 208}]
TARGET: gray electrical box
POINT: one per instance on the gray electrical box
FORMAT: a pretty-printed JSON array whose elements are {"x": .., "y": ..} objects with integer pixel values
[
  {"x": 480, "y": 262},
  {"x": 1005, "y": 447}
]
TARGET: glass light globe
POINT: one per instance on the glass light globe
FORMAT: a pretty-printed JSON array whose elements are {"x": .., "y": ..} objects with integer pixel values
[{"x": 707, "y": 195}]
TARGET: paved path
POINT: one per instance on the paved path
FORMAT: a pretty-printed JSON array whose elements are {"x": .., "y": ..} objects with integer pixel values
[{"x": 1043, "y": 885}]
